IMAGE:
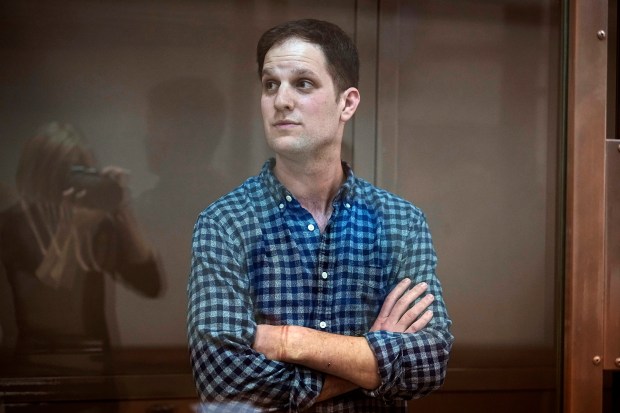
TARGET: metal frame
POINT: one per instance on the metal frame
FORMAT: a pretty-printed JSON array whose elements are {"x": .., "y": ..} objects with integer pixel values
[{"x": 585, "y": 202}]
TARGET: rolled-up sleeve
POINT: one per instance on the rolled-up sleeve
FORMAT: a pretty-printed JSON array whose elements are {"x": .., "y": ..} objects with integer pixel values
[
  {"x": 221, "y": 331},
  {"x": 412, "y": 365}
]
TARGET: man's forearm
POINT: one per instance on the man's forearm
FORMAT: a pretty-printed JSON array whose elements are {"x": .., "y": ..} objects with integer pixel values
[
  {"x": 349, "y": 358},
  {"x": 334, "y": 386}
]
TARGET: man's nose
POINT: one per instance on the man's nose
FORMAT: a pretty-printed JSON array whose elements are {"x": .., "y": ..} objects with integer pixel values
[{"x": 284, "y": 99}]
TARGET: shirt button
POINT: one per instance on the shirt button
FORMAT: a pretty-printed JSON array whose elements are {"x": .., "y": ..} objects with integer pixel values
[
  {"x": 289, "y": 198},
  {"x": 347, "y": 205},
  {"x": 310, "y": 227},
  {"x": 281, "y": 206},
  {"x": 322, "y": 324},
  {"x": 324, "y": 275}
]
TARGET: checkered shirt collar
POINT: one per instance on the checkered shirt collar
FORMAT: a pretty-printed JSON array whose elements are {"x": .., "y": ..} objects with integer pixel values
[{"x": 279, "y": 192}]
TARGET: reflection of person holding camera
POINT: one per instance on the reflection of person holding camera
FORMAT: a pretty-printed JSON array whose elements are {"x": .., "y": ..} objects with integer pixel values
[{"x": 71, "y": 226}]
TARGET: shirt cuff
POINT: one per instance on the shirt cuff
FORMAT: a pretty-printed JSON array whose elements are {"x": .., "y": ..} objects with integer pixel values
[{"x": 387, "y": 347}]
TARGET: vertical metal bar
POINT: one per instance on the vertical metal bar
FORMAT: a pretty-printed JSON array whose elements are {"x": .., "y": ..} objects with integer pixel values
[
  {"x": 561, "y": 206},
  {"x": 611, "y": 357},
  {"x": 387, "y": 95},
  {"x": 585, "y": 219},
  {"x": 365, "y": 120}
]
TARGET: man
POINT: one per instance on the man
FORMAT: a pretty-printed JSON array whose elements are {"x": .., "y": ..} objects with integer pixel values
[{"x": 288, "y": 295}]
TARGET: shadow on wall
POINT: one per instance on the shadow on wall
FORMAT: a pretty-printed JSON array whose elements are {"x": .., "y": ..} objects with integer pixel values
[{"x": 185, "y": 124}]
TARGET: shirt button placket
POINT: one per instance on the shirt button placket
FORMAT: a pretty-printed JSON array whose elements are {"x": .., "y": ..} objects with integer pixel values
[{"x": 324, "y": 280}]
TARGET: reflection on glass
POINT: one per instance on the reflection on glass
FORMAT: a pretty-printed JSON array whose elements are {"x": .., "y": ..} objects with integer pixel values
[
  {"x": 185, "y": 122},
  {"x": 70, "y": 228}
]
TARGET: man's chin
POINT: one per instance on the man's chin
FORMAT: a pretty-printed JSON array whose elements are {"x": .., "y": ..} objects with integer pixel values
[{"x": 288, "y": 144}]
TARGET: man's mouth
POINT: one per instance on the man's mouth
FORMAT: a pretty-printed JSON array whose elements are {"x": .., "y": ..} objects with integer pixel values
[{"x": 285, "y": 123}]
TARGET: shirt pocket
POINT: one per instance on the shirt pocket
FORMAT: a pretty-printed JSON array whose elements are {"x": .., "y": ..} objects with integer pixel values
[{"x": 279, "y": 294}]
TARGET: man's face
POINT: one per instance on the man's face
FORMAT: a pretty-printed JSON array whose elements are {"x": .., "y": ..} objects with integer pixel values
[{"x": 301, "y": 114}]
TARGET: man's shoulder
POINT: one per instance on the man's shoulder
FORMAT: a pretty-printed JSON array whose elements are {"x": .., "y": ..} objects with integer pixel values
[
  {"x": 238, "y": 203},
  {"x": 387, "y": 202}
]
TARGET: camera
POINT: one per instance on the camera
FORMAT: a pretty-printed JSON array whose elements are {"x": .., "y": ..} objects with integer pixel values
[{"x": 102, "y": 192}]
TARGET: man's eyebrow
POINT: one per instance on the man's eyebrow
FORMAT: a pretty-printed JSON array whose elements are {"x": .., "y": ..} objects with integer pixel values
[
  {"x": 304, "y": 72},
  {"x": 267, "y": 72},
  {"x": 298, "y": 72}
]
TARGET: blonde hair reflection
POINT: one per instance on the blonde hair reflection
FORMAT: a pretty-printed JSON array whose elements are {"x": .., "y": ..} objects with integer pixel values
[{"x": 64, "y": 234}]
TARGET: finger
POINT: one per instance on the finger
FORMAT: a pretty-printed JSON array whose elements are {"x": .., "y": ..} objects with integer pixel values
[
  {"x": 410, "y": 316},
  {"x": 110, "y": 169},
  {"x": 69, "y": 196},
  {"x": 421, "y": 322},
  {"x": 404, "y": 303},
  {"x": 114, "y": 171},
  {"x": 392, "y": 298}
]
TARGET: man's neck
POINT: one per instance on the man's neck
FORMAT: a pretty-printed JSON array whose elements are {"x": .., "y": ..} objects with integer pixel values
[{"x": 314, "y": 184}]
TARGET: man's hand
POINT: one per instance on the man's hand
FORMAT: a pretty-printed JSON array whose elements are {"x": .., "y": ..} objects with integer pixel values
[{"x": 395, "y": 314}]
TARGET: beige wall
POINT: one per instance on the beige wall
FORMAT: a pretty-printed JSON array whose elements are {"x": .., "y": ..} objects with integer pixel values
[
  {"x": 468, "y": 116},
  {"x": 477, "y": 146}
]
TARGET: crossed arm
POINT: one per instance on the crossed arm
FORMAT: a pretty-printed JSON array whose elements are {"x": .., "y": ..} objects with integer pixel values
[
  {"x": 349, "y": 362},
  {"x": 402, "y": 356}
]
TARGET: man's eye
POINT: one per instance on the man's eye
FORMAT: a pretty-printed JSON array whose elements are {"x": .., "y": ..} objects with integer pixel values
[
  {"x": 270, "y": 85},
  {"x": 305, "y": 84}
]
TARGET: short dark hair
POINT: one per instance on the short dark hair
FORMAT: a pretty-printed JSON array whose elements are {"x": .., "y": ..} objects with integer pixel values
[{"x": 339, "y": 50}]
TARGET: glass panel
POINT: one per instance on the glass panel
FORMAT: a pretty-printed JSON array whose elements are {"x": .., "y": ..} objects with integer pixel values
[
  {"x": 166, "y": 91},
  {"x": 478, "y": 110}
]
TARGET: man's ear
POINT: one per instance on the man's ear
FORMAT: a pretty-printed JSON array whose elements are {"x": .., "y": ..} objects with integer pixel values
[{"x": 351, "y": 98}]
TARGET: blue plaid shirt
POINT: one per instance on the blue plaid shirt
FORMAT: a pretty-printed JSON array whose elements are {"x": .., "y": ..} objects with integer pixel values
[{"x": 258, "y": 257}]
